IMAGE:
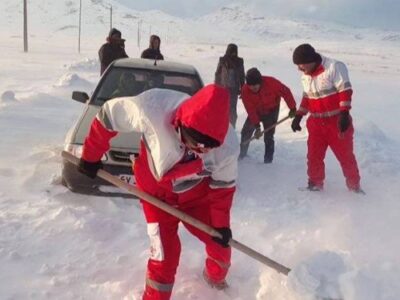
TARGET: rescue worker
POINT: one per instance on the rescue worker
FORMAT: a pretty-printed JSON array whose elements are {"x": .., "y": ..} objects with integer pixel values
[
  {"x": 261, "y": 96},
  {"x": 188, "y": 158},
  {"x": 327, "y": 98},
  {"x": 153, "y": 52},
  {"x": 112, "y": 50},
  {"x": 230, "y": 74}
]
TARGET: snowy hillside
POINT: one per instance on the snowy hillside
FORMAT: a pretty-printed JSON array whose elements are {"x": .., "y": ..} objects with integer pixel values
[{"x": 55, "y": 244}]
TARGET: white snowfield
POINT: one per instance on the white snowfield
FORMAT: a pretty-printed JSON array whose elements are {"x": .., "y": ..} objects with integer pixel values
[{"x": 58, "y": 245}]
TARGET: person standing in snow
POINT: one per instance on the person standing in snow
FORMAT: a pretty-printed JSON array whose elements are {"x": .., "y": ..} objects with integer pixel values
[
  {"x": 327, "y": 98},
  {"x": 188, "y": 158},
  {"x": 112, "y": 50},
  {"x": 230, "y": 74},
  {"x": 153, "y": 52},
  {"x": 261, "y": 96}
]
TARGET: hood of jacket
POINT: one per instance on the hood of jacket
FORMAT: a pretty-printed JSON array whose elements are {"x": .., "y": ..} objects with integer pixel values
[
  {"x": 154, "y": 38},
  {"x": 207, "y": 111},
  {"x": 232, "y": 48}
]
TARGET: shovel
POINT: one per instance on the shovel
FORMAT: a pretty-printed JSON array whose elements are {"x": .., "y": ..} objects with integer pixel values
[
  {"x": 181, "y": 215},
  {"x": 186, "y": 218},
  {"x": 267, "y": 129}
]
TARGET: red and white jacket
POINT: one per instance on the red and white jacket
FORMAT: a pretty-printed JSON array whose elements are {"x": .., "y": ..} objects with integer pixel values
[
  {"x": 160, "y": 169},
  {"x": 327, "y": 91},
  {"x": 266, "y": 99}
]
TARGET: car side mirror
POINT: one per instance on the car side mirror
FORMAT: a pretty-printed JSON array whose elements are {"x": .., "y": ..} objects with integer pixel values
[{"x": 80, "y": 96}]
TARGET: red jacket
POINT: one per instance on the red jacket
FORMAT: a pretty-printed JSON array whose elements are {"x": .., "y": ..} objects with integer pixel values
[{"x": 267, "y": 98}]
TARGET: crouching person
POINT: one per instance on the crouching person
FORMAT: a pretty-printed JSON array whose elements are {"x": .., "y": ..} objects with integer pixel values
[{"x": 188, "y": 159}]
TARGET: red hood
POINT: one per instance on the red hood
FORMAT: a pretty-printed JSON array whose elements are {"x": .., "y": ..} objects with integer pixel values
[{"x": 207, "y": 111}]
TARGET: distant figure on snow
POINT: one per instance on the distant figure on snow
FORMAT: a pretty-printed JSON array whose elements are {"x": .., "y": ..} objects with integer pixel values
[
  {"x": 153, "y": 52},
  {"x": 230, "y": 74},
  {"x": 112, "y": 50}
]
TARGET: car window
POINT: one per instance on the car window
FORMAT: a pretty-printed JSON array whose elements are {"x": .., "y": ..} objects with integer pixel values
[{"x": 122, "y": 82}]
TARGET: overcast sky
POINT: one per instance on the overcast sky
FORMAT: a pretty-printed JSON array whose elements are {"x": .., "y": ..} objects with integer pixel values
[{"x": 371, "y": 13}]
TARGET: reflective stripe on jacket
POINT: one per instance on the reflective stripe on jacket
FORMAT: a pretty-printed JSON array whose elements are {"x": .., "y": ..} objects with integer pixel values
[
  {"x": 160, "y": 161},
  {"x": 327, "y": 91}
]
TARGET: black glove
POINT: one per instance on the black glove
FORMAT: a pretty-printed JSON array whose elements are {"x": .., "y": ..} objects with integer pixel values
[
  {"x": 296, "y": 123},
  {"x": 292, "y": 113},
  {"x": 89, "y": 168},
  {"x": 258, "y": 133},
  {"x": 344, "y": 121},
  {"x": 226, "y": 233}
]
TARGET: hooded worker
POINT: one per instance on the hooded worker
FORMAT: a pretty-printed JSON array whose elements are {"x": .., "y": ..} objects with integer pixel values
[
  {"x": 113, "y": 49},
  {"x": 230, "y": 74},
  {"x": 188, "y": 159},
  {"x": 153, "y": 52}
]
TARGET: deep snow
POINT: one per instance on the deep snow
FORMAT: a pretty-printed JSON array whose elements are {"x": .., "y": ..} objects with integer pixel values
[{"x": 58, "y": 245}]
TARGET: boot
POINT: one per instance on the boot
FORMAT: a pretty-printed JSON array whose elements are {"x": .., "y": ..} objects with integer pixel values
[
  {"x": 357, "y": 191},
  {"x": 314, "y": 187},
  {"x": 216, "y": 285}
]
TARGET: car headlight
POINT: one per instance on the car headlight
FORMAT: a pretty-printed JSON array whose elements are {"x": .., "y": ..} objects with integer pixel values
[{"x": 76, "y": 150}]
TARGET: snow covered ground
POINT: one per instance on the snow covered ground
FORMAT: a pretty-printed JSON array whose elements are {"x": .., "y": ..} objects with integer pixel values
[{"x": 58, "y": 245}]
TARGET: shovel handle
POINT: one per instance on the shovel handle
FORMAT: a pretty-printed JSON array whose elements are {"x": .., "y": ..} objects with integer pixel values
[
  {"x": 180, "y": 215},
  {"x": 267, "y": 129}
]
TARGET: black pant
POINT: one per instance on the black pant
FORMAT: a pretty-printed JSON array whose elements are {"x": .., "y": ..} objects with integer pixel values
[
  {"x": 232, "y": 108},
  {"x": 248, "y": 130}
]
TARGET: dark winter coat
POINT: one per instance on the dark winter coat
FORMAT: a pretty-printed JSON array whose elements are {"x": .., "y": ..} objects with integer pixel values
[
  {"x": 230, "y": 70},
  {"x": 108, "y": 53},
  {"x": 153, "y": 52}
]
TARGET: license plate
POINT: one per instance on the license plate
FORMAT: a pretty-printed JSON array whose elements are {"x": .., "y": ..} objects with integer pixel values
[{"x": 127, "y": 178}]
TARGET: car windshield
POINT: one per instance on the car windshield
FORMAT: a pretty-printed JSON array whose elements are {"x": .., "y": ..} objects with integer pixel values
[{"x": 122, "y": 82}]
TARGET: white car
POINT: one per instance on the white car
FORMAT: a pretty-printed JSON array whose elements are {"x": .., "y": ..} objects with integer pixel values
[{"x": 124, "y": 77}]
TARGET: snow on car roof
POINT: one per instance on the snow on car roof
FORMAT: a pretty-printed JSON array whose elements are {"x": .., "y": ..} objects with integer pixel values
[{"x": 161, "y": 65}]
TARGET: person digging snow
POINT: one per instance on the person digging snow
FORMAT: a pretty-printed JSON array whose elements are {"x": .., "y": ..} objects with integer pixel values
[
  {"x": 261, "y": 96},
  {"x": 327, "y": 99},
  {"x": 188, "y": 159}
]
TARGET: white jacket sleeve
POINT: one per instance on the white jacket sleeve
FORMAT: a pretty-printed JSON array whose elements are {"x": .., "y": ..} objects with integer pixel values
[{"x": 121, "y": 114}]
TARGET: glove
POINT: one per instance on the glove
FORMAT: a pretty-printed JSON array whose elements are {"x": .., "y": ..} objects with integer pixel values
[
  {"x": 258, "y": 132},
  {"x": 292, "y": 113},
  {"x": 344, "y": 121},
  {"x": 89, "y": 168},
  {"x": 296, "y": 123},
  {"x": 226, "y": 233}
]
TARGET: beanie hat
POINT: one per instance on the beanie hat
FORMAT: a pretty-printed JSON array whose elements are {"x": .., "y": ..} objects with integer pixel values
[
  {"x": 305, "y": 54},
  {"x": 253, "y": 76}
]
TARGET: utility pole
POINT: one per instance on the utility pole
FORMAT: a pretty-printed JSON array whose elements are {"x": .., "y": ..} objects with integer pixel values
[
  {"x": 110, "y": 17},
  {"x": 138, "y": 32},
  {"x": 25, "y": 26},
  {"x": 80, "y": 22}
]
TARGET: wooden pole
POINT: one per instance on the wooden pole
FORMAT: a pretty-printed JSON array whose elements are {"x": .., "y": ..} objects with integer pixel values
[
  {"x": 111, "y": 12},
  {"x": 139, "y": 29},
  {"x": 80, "y": 24},
  {"x": 25, "y": 26},
  {"x": 181, "y": 215}
]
